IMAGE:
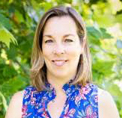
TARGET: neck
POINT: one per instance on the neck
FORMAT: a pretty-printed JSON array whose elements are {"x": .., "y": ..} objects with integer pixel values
[{"x": 58, "y": 82}]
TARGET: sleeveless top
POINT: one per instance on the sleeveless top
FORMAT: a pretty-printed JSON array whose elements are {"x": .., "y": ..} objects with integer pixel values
[{"x": 81, "y": 102}]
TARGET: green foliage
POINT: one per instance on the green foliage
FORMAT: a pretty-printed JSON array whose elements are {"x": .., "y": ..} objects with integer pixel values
[
  {"x": 5, "y": 22},
  {"x": 6, "y": 36},
  {"x": 18, "y": 20}
]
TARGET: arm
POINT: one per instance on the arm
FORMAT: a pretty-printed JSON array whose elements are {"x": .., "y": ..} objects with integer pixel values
[
  {"x": 15, "y": 107},
  {"x": 106, "y": 106}
]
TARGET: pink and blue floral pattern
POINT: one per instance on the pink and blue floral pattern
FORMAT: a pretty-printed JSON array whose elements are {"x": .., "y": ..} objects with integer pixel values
[{"x": 82, "y": 101}]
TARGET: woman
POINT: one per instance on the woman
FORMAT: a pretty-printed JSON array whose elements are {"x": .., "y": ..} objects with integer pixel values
[{"x": 61, "y": 73}]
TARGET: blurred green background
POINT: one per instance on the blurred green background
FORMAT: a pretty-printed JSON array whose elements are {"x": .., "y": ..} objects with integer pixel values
[{"x": 18, "y": 20}]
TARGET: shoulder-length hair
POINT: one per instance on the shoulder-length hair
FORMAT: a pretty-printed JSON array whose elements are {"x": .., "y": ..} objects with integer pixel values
[{"x": 38, "y": 69}]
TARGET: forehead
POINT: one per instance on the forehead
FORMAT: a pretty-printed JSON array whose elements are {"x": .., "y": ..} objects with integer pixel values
[{"x": 60, "y": 25}]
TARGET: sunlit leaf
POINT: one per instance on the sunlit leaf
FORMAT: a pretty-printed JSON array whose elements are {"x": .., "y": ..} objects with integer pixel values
[
  {"x": 6, "y": 37},
  {"x": 103, "y": 67},
  {"x": 4, "y": 102}
]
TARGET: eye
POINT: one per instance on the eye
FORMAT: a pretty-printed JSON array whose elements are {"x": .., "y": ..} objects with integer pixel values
[
  {"x": 49, "y": 41},
  {"x": 68, "y": 40}
]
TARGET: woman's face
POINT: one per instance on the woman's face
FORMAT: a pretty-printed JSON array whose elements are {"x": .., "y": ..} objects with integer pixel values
[{"x": 61, "y": 47}]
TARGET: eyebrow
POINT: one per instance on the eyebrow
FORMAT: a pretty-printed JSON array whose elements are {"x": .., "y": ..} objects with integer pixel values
[{"x": 66, "y": 35}]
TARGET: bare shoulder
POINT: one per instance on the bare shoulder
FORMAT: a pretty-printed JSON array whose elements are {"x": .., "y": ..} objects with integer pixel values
[
  {"x": 18, "y": 96},
  {"x": 107, "y": 106},
  {"x": 15, "y": 107}
]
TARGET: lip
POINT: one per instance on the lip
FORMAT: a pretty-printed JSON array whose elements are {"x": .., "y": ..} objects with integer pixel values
[{"x": 59, "y": 62}]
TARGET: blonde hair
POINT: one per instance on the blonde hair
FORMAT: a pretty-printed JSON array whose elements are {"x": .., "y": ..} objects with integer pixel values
[{"x": 38, "y": 69}]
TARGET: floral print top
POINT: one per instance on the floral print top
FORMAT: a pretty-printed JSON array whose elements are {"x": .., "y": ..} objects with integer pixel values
[{"x": 81, "y": 102}]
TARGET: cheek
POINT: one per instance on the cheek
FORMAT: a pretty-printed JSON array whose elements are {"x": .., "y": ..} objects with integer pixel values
[
  {"x": 74, "y": 57},
  {"x": 46, "y": 51},
  {"x": 74, "y": 51}
]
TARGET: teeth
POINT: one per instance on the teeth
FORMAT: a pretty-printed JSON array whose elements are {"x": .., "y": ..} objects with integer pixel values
[{"x": 59, "y": 63}]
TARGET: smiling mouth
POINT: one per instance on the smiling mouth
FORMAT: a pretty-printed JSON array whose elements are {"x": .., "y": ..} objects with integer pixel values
[{"x": 59, "y": 62}]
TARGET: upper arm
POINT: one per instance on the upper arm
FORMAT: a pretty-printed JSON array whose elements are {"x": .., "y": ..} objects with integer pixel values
[
  {"x": 15, "y": 107},
  {"x": 106, "y": 105}
]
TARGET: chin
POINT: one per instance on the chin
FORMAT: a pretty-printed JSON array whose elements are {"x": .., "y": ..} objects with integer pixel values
[{"x": 62, "y": 74}]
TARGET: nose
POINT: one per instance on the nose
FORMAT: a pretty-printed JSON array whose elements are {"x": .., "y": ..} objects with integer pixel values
[{"x": 59, "y": 49}]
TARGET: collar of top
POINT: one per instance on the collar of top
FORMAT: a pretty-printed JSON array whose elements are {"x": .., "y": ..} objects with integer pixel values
[{"x": 68, "y": 88}]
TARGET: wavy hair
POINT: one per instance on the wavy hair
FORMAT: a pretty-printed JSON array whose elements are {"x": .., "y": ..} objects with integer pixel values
[{"x": 38, "y": 69}]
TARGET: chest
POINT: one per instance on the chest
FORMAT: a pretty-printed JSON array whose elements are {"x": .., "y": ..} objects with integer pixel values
[
  {"x": 56, "y": 107},
  {"x": 76, "y": 105},
  {"x": 71, "y": 107}
]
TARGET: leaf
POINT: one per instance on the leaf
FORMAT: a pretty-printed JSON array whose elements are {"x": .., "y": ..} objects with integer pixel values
[
  {"x": 9, "y": 71},
  {"x": 103, "y": 67},
  {"x": 12, "y": 85},
  {"x": 12, "y": 52},
  {"x": 94, "y": 35},
  {"x": 94, "y": 32},
  {"x": 19, "y": 16},
  {"x": 6, "y": 37},
  {"x": 10, "y": 1},
  {"x": 4, "y": 102},
  {"x": 5, "y": 22},
  {"x": 105, "y": 35}
]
